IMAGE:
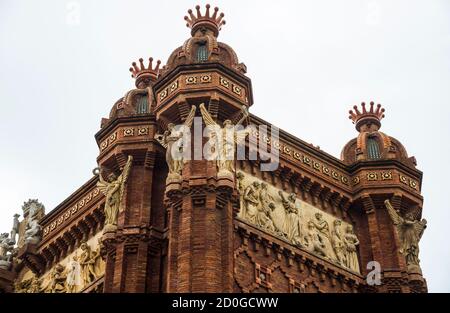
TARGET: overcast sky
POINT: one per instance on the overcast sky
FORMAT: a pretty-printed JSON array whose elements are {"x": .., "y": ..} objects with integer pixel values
[{"x": 63, "y": 64}]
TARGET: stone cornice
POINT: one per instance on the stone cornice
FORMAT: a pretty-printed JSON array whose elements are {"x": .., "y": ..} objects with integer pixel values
[
  {"x": 69, "y": 201},
  {"x": 122, "y": 120},
  {"x": 202, "y": 67}
]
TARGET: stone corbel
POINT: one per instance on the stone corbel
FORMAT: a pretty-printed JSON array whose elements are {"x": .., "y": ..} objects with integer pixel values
[
  {"x": 368, "y": 204},
  {"x": 306, "y": 186},
  {"x": 315, "y": 191},
  {"x": 325, "y": 195},
  {"x": 213, "y": 106},
  {"x": 32, "y": 259},
  {"x": 183, "y": 107}
]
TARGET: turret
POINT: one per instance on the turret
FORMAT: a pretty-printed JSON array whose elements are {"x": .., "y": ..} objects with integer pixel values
[{"x": 384, "y": 176}]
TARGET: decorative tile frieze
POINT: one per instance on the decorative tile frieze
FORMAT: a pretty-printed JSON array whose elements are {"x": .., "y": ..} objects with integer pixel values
[{"x": 105, "y": 144}]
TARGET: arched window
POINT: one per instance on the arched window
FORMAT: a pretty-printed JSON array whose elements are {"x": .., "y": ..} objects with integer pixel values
[
  {"x": 202, "y": 53},
  {"x": 141, "y": 104},
  {"x": 373, "y": 148}
]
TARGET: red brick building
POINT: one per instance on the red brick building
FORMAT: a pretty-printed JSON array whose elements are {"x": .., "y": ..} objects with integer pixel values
[{"x": 146, "y": 222}]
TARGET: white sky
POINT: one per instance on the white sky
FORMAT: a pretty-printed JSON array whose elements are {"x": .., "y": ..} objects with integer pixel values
[{"x": 309, "y": 61}]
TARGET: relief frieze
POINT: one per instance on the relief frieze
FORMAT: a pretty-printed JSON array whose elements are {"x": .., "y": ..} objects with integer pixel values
[{"x": 285, "y": 216}]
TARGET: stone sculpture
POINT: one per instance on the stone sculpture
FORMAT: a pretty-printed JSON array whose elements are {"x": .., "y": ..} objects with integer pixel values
[
  {"x": 114, "y": 189},
  {"x": 172, "y": 139},
  {"x": 409, "y": 231}
]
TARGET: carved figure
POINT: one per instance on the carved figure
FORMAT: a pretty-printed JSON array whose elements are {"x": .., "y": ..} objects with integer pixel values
[
  {"x": 292, "y": 227},
  {"x": 338, "y": 243},
  {"x": 172, "y": 140},
  {"x": 409, "y": 231},
  {"x": 6, "y": 249},
  {"x": 58, "y": 280},
  {"x": 224, "y": 140},
  {"x": 314, "y": 241},
  {"x": 323, "y": 230},
  {"x": 114, "y": 189},
  {"x": 15, "y": 228},
  {"x": 33, "y": 231},
  {"x": 265, "y": 208},
  {"x": 87, "y": 263},
  {"x": 241, "y": 189},
  {"x": 251, "y": 201},
  {"x": 74, "y": 274},
  {"x": 350, "y": 242}
]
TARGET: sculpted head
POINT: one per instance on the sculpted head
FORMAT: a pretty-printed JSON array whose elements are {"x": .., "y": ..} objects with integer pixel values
[
  {"x": 349, "y": 229},
  {"x": 227, "y": 123},
  {"x": 310, "y": 225},
  {"x": 318, "y": 216},
  {"x": 256, "y": 183},
  {"x": 170, "y": 126},
  {"x": 112, "y": 177},
  {"x": 59, "y": 268},
  {"x": 409, "y": 216},
  {"x": 292, "y": 197},
  {"x": 84, "y": 246},
  {"x": 337, "y": 222}
]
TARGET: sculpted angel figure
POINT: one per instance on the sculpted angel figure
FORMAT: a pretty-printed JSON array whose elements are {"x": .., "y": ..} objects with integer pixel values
[
  {"x": 114, "y": 189},
  {"x": 409, "y": 231},
  {"x": 172, "y": 139},
  {"x": 223, "y": 140},
  {"x": 292, "y": 227}
]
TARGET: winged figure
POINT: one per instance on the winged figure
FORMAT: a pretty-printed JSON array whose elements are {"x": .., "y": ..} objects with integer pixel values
[
  {"x": 409, "y": 230},
  {"x": 114, "y": 189},
  {"x": 223, "y": 139},
  {"x": 172, "y": 140}
]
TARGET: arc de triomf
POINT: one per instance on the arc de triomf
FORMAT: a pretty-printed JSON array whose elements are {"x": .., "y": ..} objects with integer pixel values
[{"x": 194, "y": 194}]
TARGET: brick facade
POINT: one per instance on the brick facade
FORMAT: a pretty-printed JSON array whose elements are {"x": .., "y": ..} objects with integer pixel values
[{"x": 186, "y": 237}]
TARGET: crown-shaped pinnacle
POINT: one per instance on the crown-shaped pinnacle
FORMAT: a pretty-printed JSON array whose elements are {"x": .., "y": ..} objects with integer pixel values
[
  {"x": 213, "y": 22},
  {"x": 365, "y": 116},
  {"x": 145, "y": 75},
  {"x": 137, "y": 70}
]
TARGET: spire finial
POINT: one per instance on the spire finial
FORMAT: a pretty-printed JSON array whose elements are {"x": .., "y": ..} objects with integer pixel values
[
  {"x": 214, "y": 22},
  {"x": 145, "y": 75},
  {"x": 366, "y": 117}
]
